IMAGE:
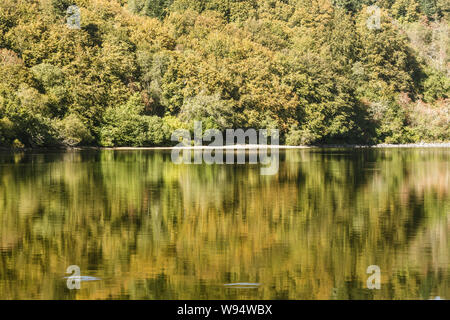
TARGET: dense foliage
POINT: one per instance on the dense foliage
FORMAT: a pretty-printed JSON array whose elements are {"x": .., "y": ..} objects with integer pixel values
[{"x": 137, "y": 70}]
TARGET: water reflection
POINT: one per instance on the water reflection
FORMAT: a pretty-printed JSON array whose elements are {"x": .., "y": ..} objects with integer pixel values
[{"x": 150, "y": 229}]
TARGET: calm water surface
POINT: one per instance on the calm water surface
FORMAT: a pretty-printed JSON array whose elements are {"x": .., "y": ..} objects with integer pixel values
[{"x": 150, "y": 229}]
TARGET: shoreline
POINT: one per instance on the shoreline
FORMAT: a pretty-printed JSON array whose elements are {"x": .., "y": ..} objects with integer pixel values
[
  {"x": 242, "y": 147},
  {"x": 282, "y": 147}
]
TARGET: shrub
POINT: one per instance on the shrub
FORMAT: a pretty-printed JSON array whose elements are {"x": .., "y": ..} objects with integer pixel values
[
  {"x": 298, "y": 137},
  {"x": 33, "y": 129},
  {"x": 6, "y": 132},
  {"x": 16, "y": 144},
  {"x": 72, "y": 131},
  {"x": 430, "y": 123},
  {"x": 436, "y": 86},
  {"x": 211, "y": 109},
  {"x": 390, "y": 121},
  {"x": 126, "y": 126}
]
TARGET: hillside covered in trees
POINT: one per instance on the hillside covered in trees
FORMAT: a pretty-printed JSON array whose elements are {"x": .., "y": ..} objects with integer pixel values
[{"x": 137, "y": 70}]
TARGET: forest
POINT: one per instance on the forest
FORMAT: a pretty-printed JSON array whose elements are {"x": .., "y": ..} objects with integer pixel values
[{"x": 134, "y": 71}]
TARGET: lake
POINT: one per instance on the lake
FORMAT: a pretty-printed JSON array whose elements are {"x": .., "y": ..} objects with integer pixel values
[{"x": 143, "y": 227}]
